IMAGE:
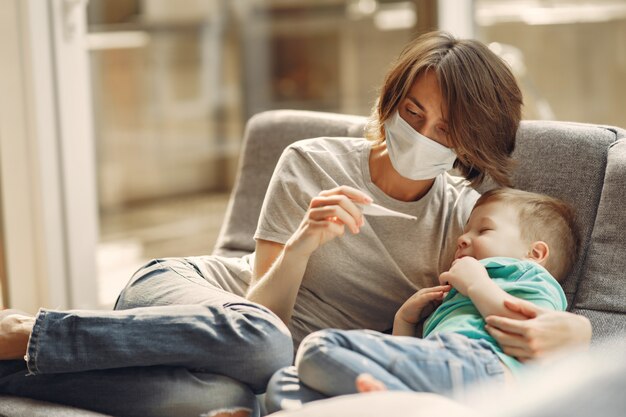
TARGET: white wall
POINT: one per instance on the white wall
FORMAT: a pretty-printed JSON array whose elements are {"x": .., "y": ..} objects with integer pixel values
[{"x": 46, "y": 162}]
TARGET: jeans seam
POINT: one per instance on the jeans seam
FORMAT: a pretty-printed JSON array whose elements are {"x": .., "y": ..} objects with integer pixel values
[{"x": 32, "y": 348}]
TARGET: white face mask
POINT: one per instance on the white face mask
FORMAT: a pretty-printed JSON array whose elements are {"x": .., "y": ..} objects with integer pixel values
[{"x": 412, "y": 154}]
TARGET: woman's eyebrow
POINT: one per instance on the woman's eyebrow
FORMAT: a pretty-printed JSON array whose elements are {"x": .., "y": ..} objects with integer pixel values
[{"x": 416, "y": 102}]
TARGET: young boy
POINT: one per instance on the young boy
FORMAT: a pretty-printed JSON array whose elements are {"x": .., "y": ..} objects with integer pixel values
[{"x": 515, "y": 244}]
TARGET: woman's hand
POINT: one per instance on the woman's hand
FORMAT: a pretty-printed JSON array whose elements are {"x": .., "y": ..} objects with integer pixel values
[
  {"x": 544, "y": 331},
  {"x": 279, "y": 269},
  {"x": 329, "y": 213},
  {"x": 409, "y": 314}
]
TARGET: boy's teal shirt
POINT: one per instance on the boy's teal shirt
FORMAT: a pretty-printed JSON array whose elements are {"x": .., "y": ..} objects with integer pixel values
[{"x": 522, "y": 279}]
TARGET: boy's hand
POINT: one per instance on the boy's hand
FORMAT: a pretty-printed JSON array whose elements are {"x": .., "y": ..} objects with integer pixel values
[
  {"x": 463, "y": 273},
  {"x": 410, "y": 311}
]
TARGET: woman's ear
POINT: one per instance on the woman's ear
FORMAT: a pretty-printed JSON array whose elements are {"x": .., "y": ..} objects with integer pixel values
[{"x": 539, "y": 252}]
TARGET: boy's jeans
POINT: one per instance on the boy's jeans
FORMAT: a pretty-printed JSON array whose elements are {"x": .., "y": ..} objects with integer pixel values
[
  {"x": 329, "y": 361},
  {"x": 176, "y": 346}
]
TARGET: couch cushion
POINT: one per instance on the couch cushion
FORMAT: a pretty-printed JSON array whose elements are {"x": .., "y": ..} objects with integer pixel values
[
  {"x": 605, "y": 324},
  {"x": 603, "y": 286}
]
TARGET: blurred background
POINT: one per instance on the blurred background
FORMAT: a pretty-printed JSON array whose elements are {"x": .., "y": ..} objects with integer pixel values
[{"x": 121, "y": 120}]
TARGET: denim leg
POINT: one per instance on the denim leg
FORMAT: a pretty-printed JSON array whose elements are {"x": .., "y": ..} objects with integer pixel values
[
  {"x": 330, "y": 360},
  {"x": 180, "y": 319},
  {"x": 138, "y": 392},
  {"x": 197, "y": 280},
  {"x": 447, "y": 364},
  {"x": 286, "y": 392}
]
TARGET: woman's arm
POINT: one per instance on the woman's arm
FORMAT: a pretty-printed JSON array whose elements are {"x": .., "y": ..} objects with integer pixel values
[
  {"x": 279, "y": 269},
  {"x": 277, "y": 277},
  {"x": 541, "y": 331}
]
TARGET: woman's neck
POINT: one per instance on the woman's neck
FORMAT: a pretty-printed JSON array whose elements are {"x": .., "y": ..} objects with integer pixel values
[{"x": 390, "y": 181}]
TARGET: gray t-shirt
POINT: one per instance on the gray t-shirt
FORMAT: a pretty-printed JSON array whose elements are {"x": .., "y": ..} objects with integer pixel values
[{"x": 360, "y": 281}]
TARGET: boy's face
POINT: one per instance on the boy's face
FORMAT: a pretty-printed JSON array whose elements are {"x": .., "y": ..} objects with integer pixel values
[{"x": 492, "y": 230}]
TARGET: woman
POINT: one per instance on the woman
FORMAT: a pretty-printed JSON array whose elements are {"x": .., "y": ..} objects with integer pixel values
[{"x": 192, "y": 335}]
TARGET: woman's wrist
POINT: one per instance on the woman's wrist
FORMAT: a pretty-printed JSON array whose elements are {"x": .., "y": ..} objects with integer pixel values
[
  {"x": 294, "y": 252},
  {"x": 278, "y": 288}
]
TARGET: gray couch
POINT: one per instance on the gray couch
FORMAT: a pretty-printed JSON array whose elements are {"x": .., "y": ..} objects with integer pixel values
[{"x": 580, "y": 163}]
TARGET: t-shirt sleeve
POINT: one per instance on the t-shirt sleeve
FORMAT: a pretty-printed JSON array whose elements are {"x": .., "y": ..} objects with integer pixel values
[
  {"x": 540, "y": 288},
  {"x": 287, "y": 198}
]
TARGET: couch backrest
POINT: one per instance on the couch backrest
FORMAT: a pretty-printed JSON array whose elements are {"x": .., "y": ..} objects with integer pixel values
[
  {"x": 562, "y": 159},
  {"x": 601, "y": 292}
]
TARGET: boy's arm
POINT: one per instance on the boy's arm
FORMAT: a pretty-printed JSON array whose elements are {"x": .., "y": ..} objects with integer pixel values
[
  {"x": 408, "y": 315},
  {"x": 470, "y": 278},
  {"x": 403, "y": 328}
]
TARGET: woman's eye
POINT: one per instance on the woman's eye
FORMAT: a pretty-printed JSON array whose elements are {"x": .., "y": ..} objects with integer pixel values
[{"x": 412, "y": 112}]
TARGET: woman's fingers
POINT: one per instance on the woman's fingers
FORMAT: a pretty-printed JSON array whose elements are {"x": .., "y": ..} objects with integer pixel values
[
  {"x": 339, "y": 206},
  {"x": 518, "y": 353},
  {"x": 334, "y": 228},
  {"x": 335, "y": 214},
  {"x": 511, "y": 344},
  {"x": 328, "y": 214},
  {"x": 350, "y": 192},
  {"x": 348, "y": 196},
  {"x": 523, "y": 307},
  {"x": 506, "y": 339},
  {"x": 508, "y": 325}
]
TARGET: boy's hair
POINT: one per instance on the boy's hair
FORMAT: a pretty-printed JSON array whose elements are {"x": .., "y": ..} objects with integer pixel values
[
  {"x": 544, "y": 218},
  {"x": 480, "y": 94}
]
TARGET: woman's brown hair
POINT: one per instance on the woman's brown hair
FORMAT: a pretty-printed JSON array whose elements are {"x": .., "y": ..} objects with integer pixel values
[{"x": 480, "y": 93}]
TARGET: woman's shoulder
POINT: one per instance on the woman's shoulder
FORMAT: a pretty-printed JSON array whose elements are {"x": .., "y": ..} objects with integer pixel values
[
  {"x": 335, "y": 158},
  {"x": 329, "y": 144}
]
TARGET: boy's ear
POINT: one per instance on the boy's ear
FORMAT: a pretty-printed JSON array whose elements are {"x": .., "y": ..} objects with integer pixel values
[{"x": 539, "y": 252}]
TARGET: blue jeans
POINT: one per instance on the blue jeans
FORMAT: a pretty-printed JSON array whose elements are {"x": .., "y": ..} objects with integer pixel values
[
  {"x": 329, "y": 361},
  {"x": 177, "y": 345}
]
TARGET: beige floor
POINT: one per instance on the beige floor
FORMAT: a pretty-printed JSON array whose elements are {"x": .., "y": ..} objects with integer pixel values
[{"x": 184, "y": 226}]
